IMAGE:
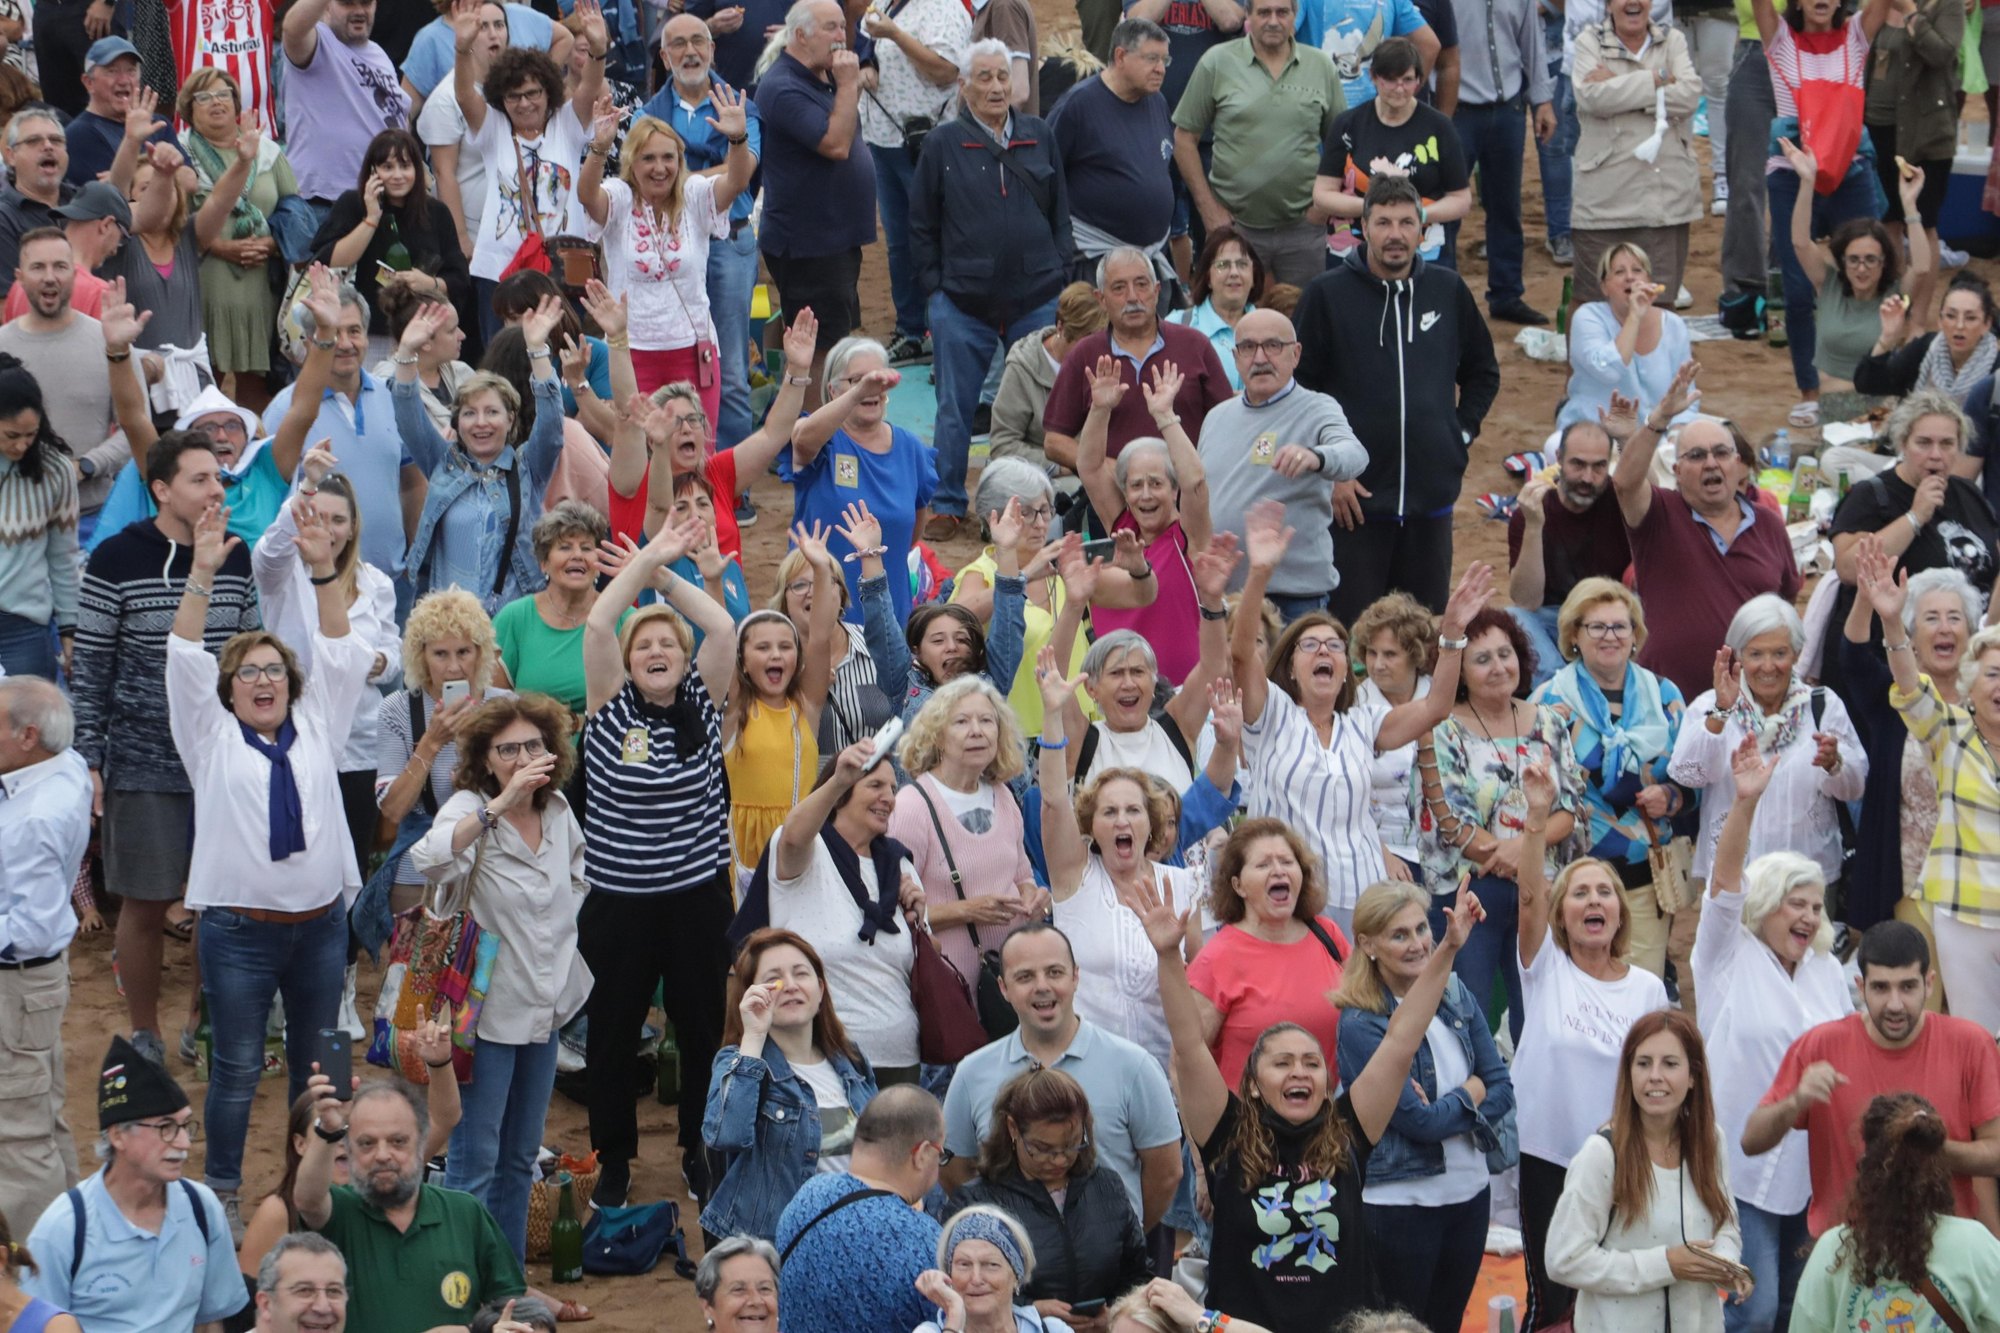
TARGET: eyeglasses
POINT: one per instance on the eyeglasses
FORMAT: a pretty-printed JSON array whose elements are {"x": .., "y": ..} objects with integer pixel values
[
  {"x": 1720, "y": 453},
  {"x": 1234, "y": 264},
  {"x": 1048, "y": 1152},
  {"x": 307, "y": 1291},
  {"x": 522, "y": 96},
  {"x": 1314, "y": 647},
  {"x": 945, "y": 1155},
  {"x": 1040, "y": 513},
  {"x": 1598, "y": 629},
  {"x": 169, "y": 1130},
  {"x": 250, "y": 674},
  {"x": 1272, "y": 348},
  {"x": 1160, "y": 58},
  {"x": 800, "y": 586},
  {"x": 1862, "y": 261},
  {"x": 210, "y": 95},
  {"x": 512, "y": 750},
  {"x": 684, "y": 43}
]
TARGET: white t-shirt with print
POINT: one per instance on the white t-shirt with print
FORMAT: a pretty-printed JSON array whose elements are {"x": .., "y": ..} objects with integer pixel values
[
  {"x": 836, "y": 1117},
  {"x": 869, "y": 981},
  {"x": 662, "y": 270},
  {"x": 551, "y": 162},
  {"x": 945, "y": 27},
  {"x": 1572, "y": 1032}
]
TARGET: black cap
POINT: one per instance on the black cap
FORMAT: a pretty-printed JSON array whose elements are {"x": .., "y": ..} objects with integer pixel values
[
  {"x": 131, "y": 1087},
  {"x": 97, "y": 199}
]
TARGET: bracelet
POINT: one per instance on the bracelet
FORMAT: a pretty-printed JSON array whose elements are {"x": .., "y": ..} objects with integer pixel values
[
  {"x": 1657, "y": 430},
  {"x": 330, "y": 1136},
  {"x": 605, "y": 151},
  {"x": 536, "y": 353},
  {"x": 1220, "y": 613},
  {"x": 599, "y": 55},
  {"x": 1141, "y": 578},
  {"x": 619, "y": 342},
  {"x": 1211, "y": 1321},
  {"x": 370, "y": 223},
  {"x": 1168, "y": 424},
  {"x": 440, "y": 1064},
  {"x": 401, "y": 360},
  {"x": 1056, "y": 745},
  {"x": 1453, "y": 645},
  {"x": 738, "y": 143},
  {"x": 803, "y": 381},
  {"x": 1904, "y": 647},
  {"x": 327, "y": 346},
  {"x": 487, "y": 819},
  {"x": 319, "y": 582},
  {"x": 308, "y": 491},
  {"x": 117, "y": 358},
  {"x": 198, "y": 590},
  {"x": 1915, "y": 526},
  {"x": 852, "y": 556}
]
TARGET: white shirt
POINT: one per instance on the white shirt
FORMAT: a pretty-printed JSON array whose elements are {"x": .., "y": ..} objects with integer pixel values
[
  {"x": 290, "y": 607},
  {"x": 529, "y": 897},
  {"x": 900, "y": 93},
  {"x": 1465, "y": 1172},
  {"x": 44, "y": 829},
  {"x": 552, "y": 163},
  {"x": 869, "y": 981},
  {"x": 231, "y": 865},
  {"x": 1148, "y": 749},
  {"x": 1566, "y": 1064},
  {"x": 442, "y": 125},
  {"x": 1321, "y": 790},
  {"x": 1751, "y": 1011},
  {"x": 1796, "y": 814},
  {"x": 1389, "y": 793},
  {"x": 1117, "y": 968},
  {"x": 662, "y": 270}
]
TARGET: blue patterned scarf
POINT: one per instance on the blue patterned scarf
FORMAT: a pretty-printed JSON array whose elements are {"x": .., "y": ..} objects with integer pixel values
[{"x": 1631, "y": 741}]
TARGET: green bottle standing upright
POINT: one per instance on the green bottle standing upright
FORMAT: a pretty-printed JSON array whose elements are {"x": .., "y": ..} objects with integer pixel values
[
  {"x": 1562, "y": 311},
  {"x": 566, "y": 1236},
  {"x": 1774, "y": 309}
]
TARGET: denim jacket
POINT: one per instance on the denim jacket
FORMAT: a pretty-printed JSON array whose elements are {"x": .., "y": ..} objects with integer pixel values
[
  {"x": 1412, "y": 1147},
  {"x": 453, "y": 473},
  {"x": 764, "y": 1120},
  {"x": 908, "y": 685}
]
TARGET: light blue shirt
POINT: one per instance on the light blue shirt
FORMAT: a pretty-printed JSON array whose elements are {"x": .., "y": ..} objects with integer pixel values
[
  {"x": 1130, "y": 1099},
  {"x": 132, "y": 1281},
  {"x": 44, "y": 829},
  {"x": 372, "y": 456},
  {"x": 1203, "y": 319},
  {"x": 1596, "y": 369},
  {"x": 434, "y": 47},
  {"x": 1350, "y": 30},
  {"x": 253, "y": 495},
  {"x": 1722, "y": 544}
]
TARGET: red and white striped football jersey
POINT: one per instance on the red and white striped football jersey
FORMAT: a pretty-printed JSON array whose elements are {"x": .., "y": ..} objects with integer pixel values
[{"x": 238, "y": 36}]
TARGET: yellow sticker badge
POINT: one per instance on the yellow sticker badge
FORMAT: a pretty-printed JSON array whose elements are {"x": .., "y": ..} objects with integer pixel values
[
  {"x": 847, "y": 471},
  {"x": 456, "y": 1289},
  {"x": 1263, "y": 449},
  {"x": 638, "y": 746}
]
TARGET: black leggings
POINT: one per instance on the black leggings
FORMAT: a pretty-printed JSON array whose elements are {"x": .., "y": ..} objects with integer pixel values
[
  {"x": 1541, "y": 1187},
  {"x": 632, "y": 942},
  {"x": 357, "y": 802}
]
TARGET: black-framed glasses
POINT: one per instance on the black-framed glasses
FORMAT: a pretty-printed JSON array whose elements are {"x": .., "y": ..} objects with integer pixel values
[
  {"x": 1598, "y": 629},
  {"x": 1051, "y": 1152},
  {"x": 250, "y": 673},
  {"x": 169, "y": 1130},
  {"x": 512, "y": 750},
  {"x": 1272, "y": 348}
]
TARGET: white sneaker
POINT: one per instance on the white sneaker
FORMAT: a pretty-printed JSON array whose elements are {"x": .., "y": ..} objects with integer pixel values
[
  {"x": 1683, "y": 298},
  {"x": 1720, "y": 204},
  {"x": 350, "y": 1018},
  {"x": 1950, "y": 258}
]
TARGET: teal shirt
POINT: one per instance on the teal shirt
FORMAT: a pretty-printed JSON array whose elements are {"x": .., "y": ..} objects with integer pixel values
[
  {"x": 1203, "y": 319},
  {"x": 253, "y": 498}
]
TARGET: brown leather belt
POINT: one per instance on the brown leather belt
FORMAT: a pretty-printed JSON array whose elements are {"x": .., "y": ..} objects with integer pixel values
[{"x": 282, "y": 918}]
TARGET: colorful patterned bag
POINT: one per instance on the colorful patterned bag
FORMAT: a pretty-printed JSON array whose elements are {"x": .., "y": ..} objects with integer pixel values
[{"x": 451, "y": 963}]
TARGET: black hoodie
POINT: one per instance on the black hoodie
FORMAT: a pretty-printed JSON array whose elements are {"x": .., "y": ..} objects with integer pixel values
[{"x": 1411, "y": 363}]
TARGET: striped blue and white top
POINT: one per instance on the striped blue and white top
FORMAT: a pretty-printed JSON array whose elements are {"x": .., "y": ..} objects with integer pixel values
[
  {"x": 1322, "y": 791},
  {"x": 658, "y": 823}
]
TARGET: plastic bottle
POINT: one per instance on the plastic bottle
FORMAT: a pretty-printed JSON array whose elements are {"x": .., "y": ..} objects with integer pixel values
[
  {"x": 1781, "y": 449},
  {"x": 566, "y": 1236}
]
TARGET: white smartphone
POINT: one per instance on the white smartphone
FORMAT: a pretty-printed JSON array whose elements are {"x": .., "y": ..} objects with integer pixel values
[
  {"x": 886, "y": 738},
  {"x": 454, "y": 690}
]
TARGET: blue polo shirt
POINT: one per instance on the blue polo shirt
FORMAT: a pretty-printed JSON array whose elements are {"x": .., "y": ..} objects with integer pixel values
[
  {"x": 813, "y": 205},
  {"x": 705, "y": 145},
  {"x": 370, "y": 449},
  {"x": 433, "y": 49},
  {"x": 132, "y": 1281}
]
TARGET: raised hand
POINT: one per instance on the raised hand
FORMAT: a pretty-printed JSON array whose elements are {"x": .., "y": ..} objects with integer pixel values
[
  {"x": 1750, "y": 769},
  {"x": 1467, "y": 599},
  {"x": 708, "y": 556},
  {"x": 1892, "y": 311},
  {"x": 164, "y": 158},
  {"x": 249, "y": 132},
  {"x": 1127, "y": 554},
  {"x": 595, "y": 30},
  {"x": 539, "y": 323},
  {"x": 141, "y": 115},
  {"x": 1006, "y": 525},
  {"x": 212, "y": 542},
  {"x": 429, "y": 321},
  {"x": 314, "y": 539},
  {"x": 730, "y": 119},
  {"x": 811, "y": 542},
  {"x": 1909, "y": 186},
  {"x": 532, "y": 774},
  {"x": 1079, "y": 575},
  {"x": 1052, "y": 555},
  {"x": 861, "y": 529},
  {"x": 671, "y": 542},
  {"x": 1621, "y": 419},
  {"x": 1727, "y": 679},
  {"x": 1107, "y": 389},
  {"x": 1802, "y": 159},
  {"x": 1213, "y": 567},
  {"x": 852, "y": 762},
  {"x": 613, "y": 555},
  {"x": 801, "y": 342},
  {"x": 1886, "y": 591},
  {"x": 1464, "y": 913},
  {"x": 1266, "y": 534},
  {"x": 432, "y": 1038},
  {"x": 1057, "y": 689},
  {"x": 575, "y": 362},
  {"x": 1826, "y": 753},
  {"x": 756, "y": 1006},
  {"x": 465, "y": 24},
  {"x": 604, "y": 117},
  {"x": 328, "y": 1110},
  {"x": 608, "y": 312},
  {"x": 1165, "y": 928},
  {"x": 1682, "y": 393},
  {"x": 1538, "y": 784},
  {"x": 1160, "y": 394},
  {"x": 122, "y": 325},
  {"x": 1225, "y": 711},
  {"x": 322, "y": 302}
]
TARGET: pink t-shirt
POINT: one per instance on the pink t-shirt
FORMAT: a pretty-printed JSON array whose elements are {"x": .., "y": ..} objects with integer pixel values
[
  {"x": 990, "y": 864},
  {"x": 1256, "y": 983}
]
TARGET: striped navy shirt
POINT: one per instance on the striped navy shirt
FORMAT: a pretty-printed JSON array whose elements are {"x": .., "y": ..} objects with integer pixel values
[
  {"x": 658, "y": 823},
  {"x": 1322, "y": 791}
]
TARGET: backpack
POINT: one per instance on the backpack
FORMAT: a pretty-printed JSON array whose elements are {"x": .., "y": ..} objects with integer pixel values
[{"x": 75, "y": 1197}]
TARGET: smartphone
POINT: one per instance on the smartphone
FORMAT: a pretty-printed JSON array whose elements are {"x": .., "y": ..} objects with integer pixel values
[
  {"x": 1100, "y": 550},
  {"x": 454, "y": 690},
  {"x": 1087, "y": 1309},
  {"x": 891, "y": 732},
  {"x": 336, "y": 1061}
]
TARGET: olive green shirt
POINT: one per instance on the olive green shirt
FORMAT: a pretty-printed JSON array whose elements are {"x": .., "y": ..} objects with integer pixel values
[
  {"x": 1267, "y": 133},
  {"x": 450, "y": 1262}
]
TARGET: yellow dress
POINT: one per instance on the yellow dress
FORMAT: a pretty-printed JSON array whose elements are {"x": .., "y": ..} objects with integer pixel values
[
  {"x": 1038, "y": 625},
  {"x": 772, "y": 763}
]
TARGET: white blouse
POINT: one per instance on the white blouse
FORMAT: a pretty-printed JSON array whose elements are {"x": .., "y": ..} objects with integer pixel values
[
  {"x": 1750, "y": 1011},
  {"x": 661, "y": 267},
  {"x": 1323, "y": 791},
  {"x": 232, "y": 865},
  {"x": 1117, "y": 968},
  {"x": 1796, "y": 814}
]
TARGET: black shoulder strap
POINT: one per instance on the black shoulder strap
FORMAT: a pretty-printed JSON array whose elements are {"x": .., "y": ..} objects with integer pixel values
[
  {"x": 1818, "y": 705},
  {"x": 1037, "y": 190},
  {"x": 1086, "y": 754},
  {"x": 513, "y": 520},
  {"x": 1326, "y": 941},
  {"x": 1175, "y": 737},
  {"x": 418, "y": 726},
  {"x": 950, "y": 862},
  {"x": 82, "y": 1222},
  {"x": 832, "y": 1208},
  {"x": 200, "y": 1212}
]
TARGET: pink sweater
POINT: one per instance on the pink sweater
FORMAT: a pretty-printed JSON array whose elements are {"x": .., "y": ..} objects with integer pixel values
[{"x": 991, "y": 863}]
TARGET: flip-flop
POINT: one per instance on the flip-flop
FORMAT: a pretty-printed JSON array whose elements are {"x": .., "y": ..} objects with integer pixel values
[
  {"x": 1804, "y": 415},
  {"x": 182, "y": 930},
  {"x": 1498, "y": 506},
  {"x": 1525, "y": 464},
  {"x": 573, "y": 1312}
]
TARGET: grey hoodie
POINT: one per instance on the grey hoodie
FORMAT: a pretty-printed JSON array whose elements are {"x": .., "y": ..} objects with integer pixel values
[{"x": 1024, "y": 392}]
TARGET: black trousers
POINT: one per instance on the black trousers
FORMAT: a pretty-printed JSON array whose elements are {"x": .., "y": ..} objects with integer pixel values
[
  {"x": 1384, "y": 555},
  {"x": 1541, "y": 1188},
  {"x": 632, "y": 942},
  {"x": 60, "y": 46},
  {"x": 357, "y": 803}
]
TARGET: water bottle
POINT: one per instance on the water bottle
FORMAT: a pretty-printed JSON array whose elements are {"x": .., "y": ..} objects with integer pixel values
[
  {"x": 566, "y": 1236},
  {"x": 1781, "y": 449}
]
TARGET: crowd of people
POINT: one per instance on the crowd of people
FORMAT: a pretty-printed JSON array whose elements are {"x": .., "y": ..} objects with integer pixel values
[{"x": 1137, "y": 879}]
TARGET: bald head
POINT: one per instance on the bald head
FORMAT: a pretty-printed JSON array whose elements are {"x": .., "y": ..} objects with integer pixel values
[
  {"x": 688, "y": 49},
  {"x": 1267, "y": 352},
  {"x": 1707, "y": 469},
  {"x": 37, "y": 721}
]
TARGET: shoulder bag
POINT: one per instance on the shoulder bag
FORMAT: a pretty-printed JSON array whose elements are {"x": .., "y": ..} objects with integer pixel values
[
  {"x": 995, "y": 1014},
  {"x": 1941, "y": 1307},
  {"x": 1670, "y": 860}
]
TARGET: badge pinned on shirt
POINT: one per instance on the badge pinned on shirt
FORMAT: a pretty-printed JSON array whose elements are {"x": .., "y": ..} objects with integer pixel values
[
  {"x": 846, "y": 471},
  {"x": 1264, "y": 450},
  {"x": 638, "y": 747}
]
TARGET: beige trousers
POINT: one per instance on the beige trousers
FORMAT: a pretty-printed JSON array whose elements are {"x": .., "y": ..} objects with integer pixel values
[
  {"x": 37, "y": 1154},
  {"x": 1656, "y": 937}
]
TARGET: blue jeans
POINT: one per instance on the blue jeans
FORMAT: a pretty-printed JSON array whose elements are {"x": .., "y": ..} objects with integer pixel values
[
  {"x": 1494, "y": 136},
  {"x": 1291, "y": 607},
  {"x": 1556, "y": 155},
  {"x": 243, "y": 964},
  {"x": 482, "y": 298},
  {"x": 1854, "y": 199},
  {"x": 1540, "y": 627},
  {"x": 27, "y": 647},
  {"x": 732, "y": 277},
  {"x": 1427, "y": 1259},
  {"x": 1774, "y": 1250},
  {"x": 894, "y": 174},
  {"x": 1490, "y": 948},
  {"x": 962, "y": 350},
  {"x": 492, "y": 1153}
]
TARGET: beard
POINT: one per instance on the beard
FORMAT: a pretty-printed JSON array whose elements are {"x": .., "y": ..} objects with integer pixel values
[{"x": 395, "y": 1195}]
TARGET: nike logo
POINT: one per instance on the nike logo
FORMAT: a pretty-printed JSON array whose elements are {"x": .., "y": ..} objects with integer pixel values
[{"x": 1424, "y": 324}]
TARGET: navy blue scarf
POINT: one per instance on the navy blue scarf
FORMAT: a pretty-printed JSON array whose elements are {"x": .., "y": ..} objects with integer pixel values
[
  {"x": 877, "y": 915},
  {"x": 288, "y": 819}
]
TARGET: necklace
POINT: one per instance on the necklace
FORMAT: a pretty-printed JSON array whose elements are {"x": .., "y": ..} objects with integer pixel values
[
  {"x": 1511, "y": 775},
  {"x": 550, "y": 606}
]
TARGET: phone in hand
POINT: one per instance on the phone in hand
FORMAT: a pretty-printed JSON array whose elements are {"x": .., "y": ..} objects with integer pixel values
[
  {"x": 454, "y": 690},
  {"x": 1087, "y": 1309},
  {"x": 336, "y": 1061},
  {"x": 891, "y": 732},
  {"x": 1106, "y": 549}
]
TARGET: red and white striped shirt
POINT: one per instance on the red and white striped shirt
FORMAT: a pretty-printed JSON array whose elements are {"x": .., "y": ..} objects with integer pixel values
[
  {"x": 1839, "y": 56},
  {"x": 237, "y": 36}
]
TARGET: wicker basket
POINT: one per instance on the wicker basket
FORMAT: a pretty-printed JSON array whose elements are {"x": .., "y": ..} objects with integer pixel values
[{"x": 544, "y": 1196}]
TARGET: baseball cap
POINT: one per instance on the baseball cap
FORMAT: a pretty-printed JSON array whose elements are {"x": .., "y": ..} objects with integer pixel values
[
  {"x": 97, "y": 199},
  {"x": 107, "y": 49}
]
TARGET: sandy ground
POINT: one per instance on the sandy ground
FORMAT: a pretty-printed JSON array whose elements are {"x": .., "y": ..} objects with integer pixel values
[{"x": 1747, "y": 381}]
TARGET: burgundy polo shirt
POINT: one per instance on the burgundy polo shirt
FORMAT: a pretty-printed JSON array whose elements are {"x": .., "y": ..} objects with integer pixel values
[{"x": 1204, "y": 384}]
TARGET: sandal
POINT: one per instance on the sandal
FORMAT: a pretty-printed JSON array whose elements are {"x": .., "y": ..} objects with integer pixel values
[
  {"x": 182, "y": 930},
  {"x": 573, "y": 1312},
  {"x": 1804, "y": 415}
]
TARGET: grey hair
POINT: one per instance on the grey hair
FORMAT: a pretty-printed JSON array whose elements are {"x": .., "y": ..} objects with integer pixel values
[
  {"x": 369, "y": 1092},
  {"x": 1770, "y": 879},
  {"x": 30, "y": 701},
  {"x": 1122, "y": 252},
  {"x": 105, "y": 1149},
  {"x": 798, "y": 19},
  {"x": 1943, "y": 579},
  {"x": 348, "y": 295},
  {"x": 1923, "y": 403},
  {"x": 1006, "y": 479},
  {"x": 1383, "y": 1321},
  {"x": 708, "y": 1277},
  {"x": 1145, "y": 444},
  {"x": 296, "y": 1242},
  {"x": 1132, "y": 31},
  {"x": 1116, "y": 644},
  {"x": 986, "y": 46},
  {"x": 25, "y": 115},
  {"x": 846, "y": 350},
  {"x": 1760, "y": 615},
  {"x": 1006, "y": 1220}
]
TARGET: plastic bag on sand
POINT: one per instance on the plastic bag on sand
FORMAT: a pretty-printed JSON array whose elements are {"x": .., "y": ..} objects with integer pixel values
[{"x": 1543, "y": 344}]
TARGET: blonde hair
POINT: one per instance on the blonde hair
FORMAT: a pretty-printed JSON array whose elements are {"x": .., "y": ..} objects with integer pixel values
[
  {"x": 485, "y": 381},
  {"x": 1381, "y": 903},
  {"x": 791, "y": 567},
  {"x": 1559, "y": 931},
  {"x": 1610, "y": 256},
  {"x": 1595, "y": 591},
  {"x": 644, "y": 130},
  {"x": 923, "y": 744},
  {"x": 645, "y": 616},
  {"x": 1163, "y": 807},
  {"x": 449, "y": 612}
]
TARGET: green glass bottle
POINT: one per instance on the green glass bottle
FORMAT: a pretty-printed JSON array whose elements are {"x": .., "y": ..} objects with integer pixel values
[
  {"x": 1562, "y": 311},
  {"x": 1774, "y": 309},
  {"x": 566, "y": 1236},
  {"x": 667, "y": 1058}
]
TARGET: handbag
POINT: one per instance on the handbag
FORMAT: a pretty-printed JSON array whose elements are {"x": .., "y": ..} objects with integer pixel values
[
  {"x": 995, "y": 1014},
  {"x": 1670, "y": 860},
  {"x": 451, "y": 962},
  {"x": 948, "y": 1027}
]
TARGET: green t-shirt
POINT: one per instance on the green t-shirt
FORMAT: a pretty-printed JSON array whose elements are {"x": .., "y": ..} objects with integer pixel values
[
  {"x": 1268, "y": 132},
  {"x": 450, "y": 1262},
  {"x": 539, "y": 656},
  {"x": 1964, "y": 1263}
]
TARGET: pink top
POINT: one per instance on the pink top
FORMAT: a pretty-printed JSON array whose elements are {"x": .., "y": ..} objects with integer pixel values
[
  {"x": 990, "y": 864},
  {"x": 1172, "y": 624},
  {"x": 1256, "y": 983}
]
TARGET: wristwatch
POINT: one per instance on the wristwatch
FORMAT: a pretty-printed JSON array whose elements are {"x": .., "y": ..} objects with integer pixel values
[
  {"x": 1452, "y": 645},
  {"x": 329, "y": 1135}
]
